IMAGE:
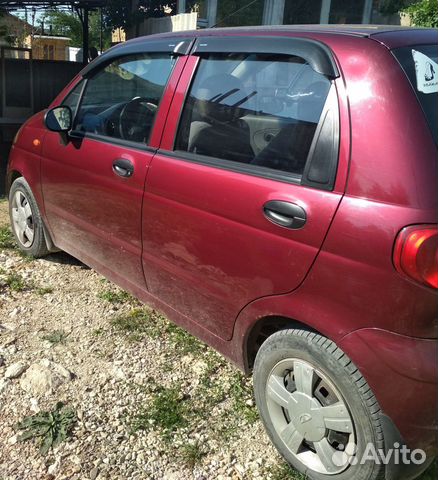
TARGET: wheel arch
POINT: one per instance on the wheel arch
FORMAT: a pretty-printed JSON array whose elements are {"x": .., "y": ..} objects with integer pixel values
[
  {"x": 10, "y": 179},
  {"x": 262, "y": 329}
]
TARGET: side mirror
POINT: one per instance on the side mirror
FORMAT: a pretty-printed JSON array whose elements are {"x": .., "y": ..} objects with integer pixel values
[{"x": 59, "y": 119}]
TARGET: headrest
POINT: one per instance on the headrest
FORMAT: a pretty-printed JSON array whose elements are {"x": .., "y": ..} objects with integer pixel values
[{"x": 219, "y": 97}]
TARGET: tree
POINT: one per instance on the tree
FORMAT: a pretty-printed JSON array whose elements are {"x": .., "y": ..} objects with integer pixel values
[
  {"x": 423, "y": 13},
  {"x": 69, "y": 24},
  {"x": 129, "y": 13}
]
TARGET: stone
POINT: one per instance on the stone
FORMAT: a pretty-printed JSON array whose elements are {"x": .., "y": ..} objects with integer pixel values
[
  {"x": 4, "y": 383},
  {"x": 94, "y": 473},
  {"x": 44, "y": 377},
  {"x": 15, "y": 370}
]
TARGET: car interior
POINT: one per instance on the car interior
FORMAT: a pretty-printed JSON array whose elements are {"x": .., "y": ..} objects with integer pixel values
[{"x": 261, "y": 111}]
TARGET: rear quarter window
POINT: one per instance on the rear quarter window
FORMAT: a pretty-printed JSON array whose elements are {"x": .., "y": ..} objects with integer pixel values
[{"x": 420, "y": 63}]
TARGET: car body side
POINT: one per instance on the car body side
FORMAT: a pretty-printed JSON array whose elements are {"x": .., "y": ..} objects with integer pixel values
[{"x": 352, "y": 294}]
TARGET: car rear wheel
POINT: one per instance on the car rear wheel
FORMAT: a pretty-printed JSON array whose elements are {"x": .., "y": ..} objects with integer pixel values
[
  {"x": 26, "y": 221},
  {"x": 317, "y": 408}
]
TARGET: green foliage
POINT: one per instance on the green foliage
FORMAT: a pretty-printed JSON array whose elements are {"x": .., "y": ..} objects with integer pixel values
[
  {"x": 423, "y": 13},
  {"x": 57, "y": 337},
  {"x": 135, "y": 324},
  {"x": 44, "y": 290},
  {"x": 284, "y": 472},
  {"x": 119, "y": 13},
  {"x": 167, "y": 412},
  {"x": 16, "y": 282},
  {"x": 69, "y": 24},
  {"x": 7, "y": 239},
  {"x": 241, "y": 393},
  {"x": 184, "y": 341},
  {"x": 51, "y": 428},
  {"x": 192, "y": 454},
  {"x": 115, "y": 297},
  {"x": 143, "y": 322}
]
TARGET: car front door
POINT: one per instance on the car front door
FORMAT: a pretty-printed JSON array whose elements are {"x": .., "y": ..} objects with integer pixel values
[
  {"x": 93, "y": 185},
  {"x": 239, "y": 200}
]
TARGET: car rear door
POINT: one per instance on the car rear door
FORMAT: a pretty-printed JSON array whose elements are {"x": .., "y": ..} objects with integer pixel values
[
  {"x": 223, "y": 227},
  {"x": 93, "y": 184}
]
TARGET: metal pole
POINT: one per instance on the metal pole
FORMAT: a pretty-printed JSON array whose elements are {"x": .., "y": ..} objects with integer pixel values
[
  {"x": 325, "y": 11},
  {"x": 85, "y": 37},
  {"x": 367, "y": 11},
  {"x": 101, "y": 30}
]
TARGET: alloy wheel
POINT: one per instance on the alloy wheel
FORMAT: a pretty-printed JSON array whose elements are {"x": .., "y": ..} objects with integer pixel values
[
  {"x": 22, "y": 218},
  {"x": 310, "y": 416}
]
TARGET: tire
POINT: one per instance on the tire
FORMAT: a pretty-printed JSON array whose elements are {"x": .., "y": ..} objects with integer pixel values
[
  {"x": 26, "y": 222},
  {"x": 328, "y": 419}
]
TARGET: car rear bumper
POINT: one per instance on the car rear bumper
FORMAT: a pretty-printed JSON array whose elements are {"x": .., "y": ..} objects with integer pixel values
[{"x": 402, "y": 372}]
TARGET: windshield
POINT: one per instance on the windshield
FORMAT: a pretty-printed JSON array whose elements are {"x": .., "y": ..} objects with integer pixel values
[{"x": 420, "y": 64}]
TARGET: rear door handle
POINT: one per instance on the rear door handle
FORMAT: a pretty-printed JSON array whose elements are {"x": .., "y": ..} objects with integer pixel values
[
  {"x": 285, "y": 214},
  {"x": 123, "y": 167}
]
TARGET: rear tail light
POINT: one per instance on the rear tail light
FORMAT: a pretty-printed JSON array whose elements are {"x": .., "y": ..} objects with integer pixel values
[{"x": 416, "y": 254}]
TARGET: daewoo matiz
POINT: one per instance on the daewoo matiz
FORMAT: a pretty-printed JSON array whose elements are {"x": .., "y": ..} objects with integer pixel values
[{"x": 273, "y": 191}]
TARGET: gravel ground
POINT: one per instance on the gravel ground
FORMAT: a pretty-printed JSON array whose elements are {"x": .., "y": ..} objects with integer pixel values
[{"x": 151, "y": 401}]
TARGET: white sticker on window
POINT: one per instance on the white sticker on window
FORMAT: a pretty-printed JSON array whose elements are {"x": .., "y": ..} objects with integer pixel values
[{"x": 427, "y": 73}]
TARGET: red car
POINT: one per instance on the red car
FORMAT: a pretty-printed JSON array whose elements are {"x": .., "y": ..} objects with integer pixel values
[{"x": 273, "y": 191}]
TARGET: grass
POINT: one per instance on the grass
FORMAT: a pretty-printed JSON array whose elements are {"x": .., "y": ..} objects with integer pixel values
[
  {"x": 135, "y": 324},
  {"x": 284, "y": 472},
  {"x": 97, "y": 332},
  {"x": 44, "y": 290},
  {"x": 115, "y": 297},
  {"x": 241, "y": 394},
  {"x": 57, "y": 337},
  {"x": 192, "y": 454},
  {"x": 51, "y": 428},
  {"x": 7, "y": 240},
  {"x": 16, "y": 282},
  {"x": 167, "y": 412},
  {"x": 141, "y": 322}
]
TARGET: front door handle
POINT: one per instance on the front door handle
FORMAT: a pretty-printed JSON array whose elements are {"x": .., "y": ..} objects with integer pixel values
[
  {"x": 123, "y": 167},
  {"x": 285, "y": 214}
]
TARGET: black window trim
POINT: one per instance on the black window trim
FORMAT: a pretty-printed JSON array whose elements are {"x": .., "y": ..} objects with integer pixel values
[
  {"x": 238, "y": 167},
  {"x": 178, "y": 46},
  {"x": 316, "y": 54},
  {"x": 264, "y": 172},
  {"x": 84, "y": 82},
  {"x": 80, "y": 136}
]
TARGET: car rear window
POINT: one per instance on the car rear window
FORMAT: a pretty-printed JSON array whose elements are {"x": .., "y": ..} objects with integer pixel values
[{"x": 420, "y": 64}]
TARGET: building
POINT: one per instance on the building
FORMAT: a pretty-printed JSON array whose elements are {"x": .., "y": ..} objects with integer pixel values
[
  {"x": 230, "y": 13},
  {"x": 48, "y": 47},
  {"x": 13, "y": 30}
]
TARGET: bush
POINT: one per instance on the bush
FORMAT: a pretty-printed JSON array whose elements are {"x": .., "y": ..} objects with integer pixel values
[{"x": 423, "y": 13}]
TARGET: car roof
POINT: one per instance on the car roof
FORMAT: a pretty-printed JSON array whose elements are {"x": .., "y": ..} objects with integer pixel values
[{"x": 391, "y": 36}]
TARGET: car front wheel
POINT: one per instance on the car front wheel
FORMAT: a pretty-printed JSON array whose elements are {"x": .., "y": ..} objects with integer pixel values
[
  {"x": 317, "y": 408},
  {"x": 26, "y": 221}
]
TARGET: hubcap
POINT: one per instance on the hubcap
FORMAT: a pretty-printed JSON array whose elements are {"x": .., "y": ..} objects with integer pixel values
[
  {"x": 22, "y": 219},
  {"x": 310, "y": 416}
]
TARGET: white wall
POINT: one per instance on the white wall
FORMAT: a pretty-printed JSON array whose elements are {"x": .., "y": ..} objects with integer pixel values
[{"x": 175, "y": 23}]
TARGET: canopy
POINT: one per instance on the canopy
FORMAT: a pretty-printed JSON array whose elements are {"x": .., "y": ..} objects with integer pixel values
[{"x": 85, "y": 5}]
